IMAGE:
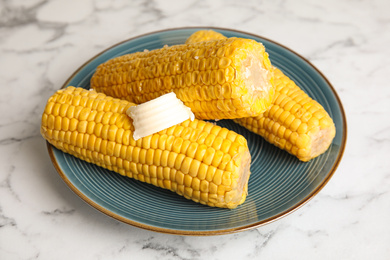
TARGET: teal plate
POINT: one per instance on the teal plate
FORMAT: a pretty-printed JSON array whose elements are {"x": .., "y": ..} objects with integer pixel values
[{"x": 279, "y": 183}]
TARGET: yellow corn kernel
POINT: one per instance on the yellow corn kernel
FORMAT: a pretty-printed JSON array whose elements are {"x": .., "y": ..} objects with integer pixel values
[{"x": 195, "y": 184}]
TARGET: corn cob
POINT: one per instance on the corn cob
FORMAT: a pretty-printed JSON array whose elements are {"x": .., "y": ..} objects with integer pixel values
[
  {"x": 294, "y": 122},
  {"x": 196, "y": 159},
  {"x": 229, "y": 78}
]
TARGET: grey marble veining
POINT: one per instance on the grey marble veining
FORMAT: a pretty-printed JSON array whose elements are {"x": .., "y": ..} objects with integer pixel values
[{"x": 43, "y": 42}]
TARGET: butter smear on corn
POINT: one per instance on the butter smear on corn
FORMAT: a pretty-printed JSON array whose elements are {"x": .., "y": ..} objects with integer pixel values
[{"x": 158, "y": 114}]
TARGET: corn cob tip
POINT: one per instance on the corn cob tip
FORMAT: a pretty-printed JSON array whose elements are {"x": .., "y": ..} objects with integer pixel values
[{"x": 204, "y": 35}]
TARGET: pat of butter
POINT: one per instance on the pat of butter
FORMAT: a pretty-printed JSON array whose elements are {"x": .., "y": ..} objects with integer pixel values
[{"x": 158, "y": 114}]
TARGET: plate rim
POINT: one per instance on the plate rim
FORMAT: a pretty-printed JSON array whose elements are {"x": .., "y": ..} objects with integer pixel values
[{"x": 311, "y": 195}]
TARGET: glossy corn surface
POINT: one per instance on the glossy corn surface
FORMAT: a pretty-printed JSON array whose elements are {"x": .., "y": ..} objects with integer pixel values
[
  {"x": 196, "y": 159},
  {"x": 294, "y": 122},
  {"x": 227, "y": 78}
]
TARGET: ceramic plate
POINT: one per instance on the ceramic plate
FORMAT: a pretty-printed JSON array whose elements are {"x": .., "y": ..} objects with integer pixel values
[{"x": 279, "y": 183}]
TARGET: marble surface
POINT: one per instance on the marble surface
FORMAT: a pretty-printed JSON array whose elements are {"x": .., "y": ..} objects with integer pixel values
[{"x": 41, "y": 44}]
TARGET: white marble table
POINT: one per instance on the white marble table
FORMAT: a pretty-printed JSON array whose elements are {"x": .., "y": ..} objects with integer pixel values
[{"x": 43, "y": 42}]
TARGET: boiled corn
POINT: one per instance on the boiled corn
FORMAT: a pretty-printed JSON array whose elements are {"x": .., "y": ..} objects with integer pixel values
[
  {"x": 294, "y": 122},
  {"x": 196, "y": 159},
  {"x": 228, "y": 78}
]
